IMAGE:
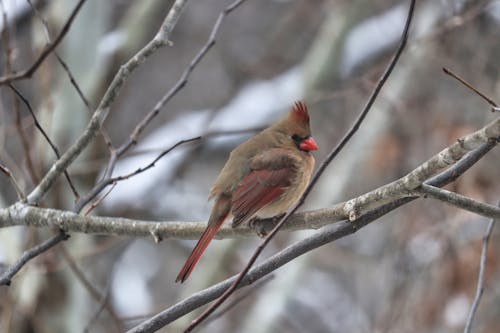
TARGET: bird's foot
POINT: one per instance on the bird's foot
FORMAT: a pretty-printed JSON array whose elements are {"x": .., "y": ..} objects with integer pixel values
[
  {"x": 261, "y": 226},
  {"x": 258, "y": 226}
]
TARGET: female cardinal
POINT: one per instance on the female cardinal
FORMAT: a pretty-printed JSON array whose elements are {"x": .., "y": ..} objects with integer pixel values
[{"x": 262, "y": 178}]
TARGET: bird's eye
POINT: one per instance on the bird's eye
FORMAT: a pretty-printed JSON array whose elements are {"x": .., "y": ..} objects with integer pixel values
[{"x": 296, "y": 138}]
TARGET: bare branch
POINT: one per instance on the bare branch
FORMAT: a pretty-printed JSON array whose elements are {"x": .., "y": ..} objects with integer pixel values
[
  {"x": 27, "y": 73},
  {"x": 407, "y": 184},
  {"x": 5, "y": 277},
  {"x": 160, "y": 40},
  {"x": 324, "y": 164},
  {"x": 44, "y": 134},
  {"x": 459, "y": 201},
  {"x": 480, "y": 280},
  {"x": 22, "y": 214}
]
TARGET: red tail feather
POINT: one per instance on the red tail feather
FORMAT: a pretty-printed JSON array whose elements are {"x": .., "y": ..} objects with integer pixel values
[{"x": 198, "y": 250}]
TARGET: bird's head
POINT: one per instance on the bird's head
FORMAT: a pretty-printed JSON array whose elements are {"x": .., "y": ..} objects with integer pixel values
[{"x": 295, "y": 128}]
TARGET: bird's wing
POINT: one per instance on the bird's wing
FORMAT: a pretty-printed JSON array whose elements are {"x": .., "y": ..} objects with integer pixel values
[{"x": 271, "y": 173}]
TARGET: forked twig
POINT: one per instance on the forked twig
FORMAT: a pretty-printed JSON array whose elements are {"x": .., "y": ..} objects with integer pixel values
[{"x": 27, "y": 73}]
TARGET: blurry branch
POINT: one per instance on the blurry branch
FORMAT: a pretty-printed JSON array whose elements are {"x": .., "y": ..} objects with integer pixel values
[
  {"x": 63, "y": 64},
  {"x": 322, "y": 237},
  {"x": 19, "y": 191},
  {"x": 107, "y": 178},
  {"x": 459, "y": 201},
  {"x": 44, "y": 134},
  {"x": 5, "y": 277},
  {"x": 27, "y": 73},
  {"x": 480, "y": 280},
  {"x": 160, "y": 40},
  {"x": 101, "y": 299},
  {"x": 494, "y": 106},
  {"x": 406, "y": 185},
  {"x": 30, "y": 165},
  {"x": 102, "y": 304}
]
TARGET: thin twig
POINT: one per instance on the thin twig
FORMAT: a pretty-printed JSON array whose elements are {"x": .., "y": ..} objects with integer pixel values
[
  {"x": 322, "y": 237},
  {"x": 100, "y": 200},
  {"x": 44, "y": 134},
  {"x": 480, "y": 280},
  {"x": 108, "y": 180},
  {"x": 459, "y": 201},
  {"x": 160, "y": 40},
  {"x": 468, "y": 85},
  {"x": 5, "y": 277},
  {"x": 27, "y": 73},
  {"x": 314, "y": 180},
  {"x": 20, "y": 193}
]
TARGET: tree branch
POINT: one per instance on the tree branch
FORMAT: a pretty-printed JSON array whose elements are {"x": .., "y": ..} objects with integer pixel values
[
  {"x": 27, "y": 73},
  {"x": 459, "y": 201},
  {"x": 407, "y": 184},
  {"x": 160, "y": 40}
]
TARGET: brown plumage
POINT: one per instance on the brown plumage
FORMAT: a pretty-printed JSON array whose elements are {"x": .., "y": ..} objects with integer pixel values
[{"x": 263, "y": 177}]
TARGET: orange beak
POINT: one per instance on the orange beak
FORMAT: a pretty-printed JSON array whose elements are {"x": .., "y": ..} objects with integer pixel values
[{"x": 308, "y": 144}]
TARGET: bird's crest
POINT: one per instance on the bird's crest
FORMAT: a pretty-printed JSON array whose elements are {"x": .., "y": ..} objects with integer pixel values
[{"x": 299, "y": 112}]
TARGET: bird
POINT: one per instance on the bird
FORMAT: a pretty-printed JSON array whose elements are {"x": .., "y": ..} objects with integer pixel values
[{"x": 262, "y": 178}]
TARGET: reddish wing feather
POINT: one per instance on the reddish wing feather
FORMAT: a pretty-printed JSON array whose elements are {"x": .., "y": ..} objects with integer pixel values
[{"x": 258, "y": 189}]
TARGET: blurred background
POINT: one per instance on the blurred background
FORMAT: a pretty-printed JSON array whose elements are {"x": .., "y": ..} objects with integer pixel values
[{"x": 414, "y": 270}]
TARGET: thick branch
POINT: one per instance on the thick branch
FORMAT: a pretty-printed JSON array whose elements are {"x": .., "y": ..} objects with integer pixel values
[
  {"x": 22, "y": 214},
  {"x": 404, "y": 186}
]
